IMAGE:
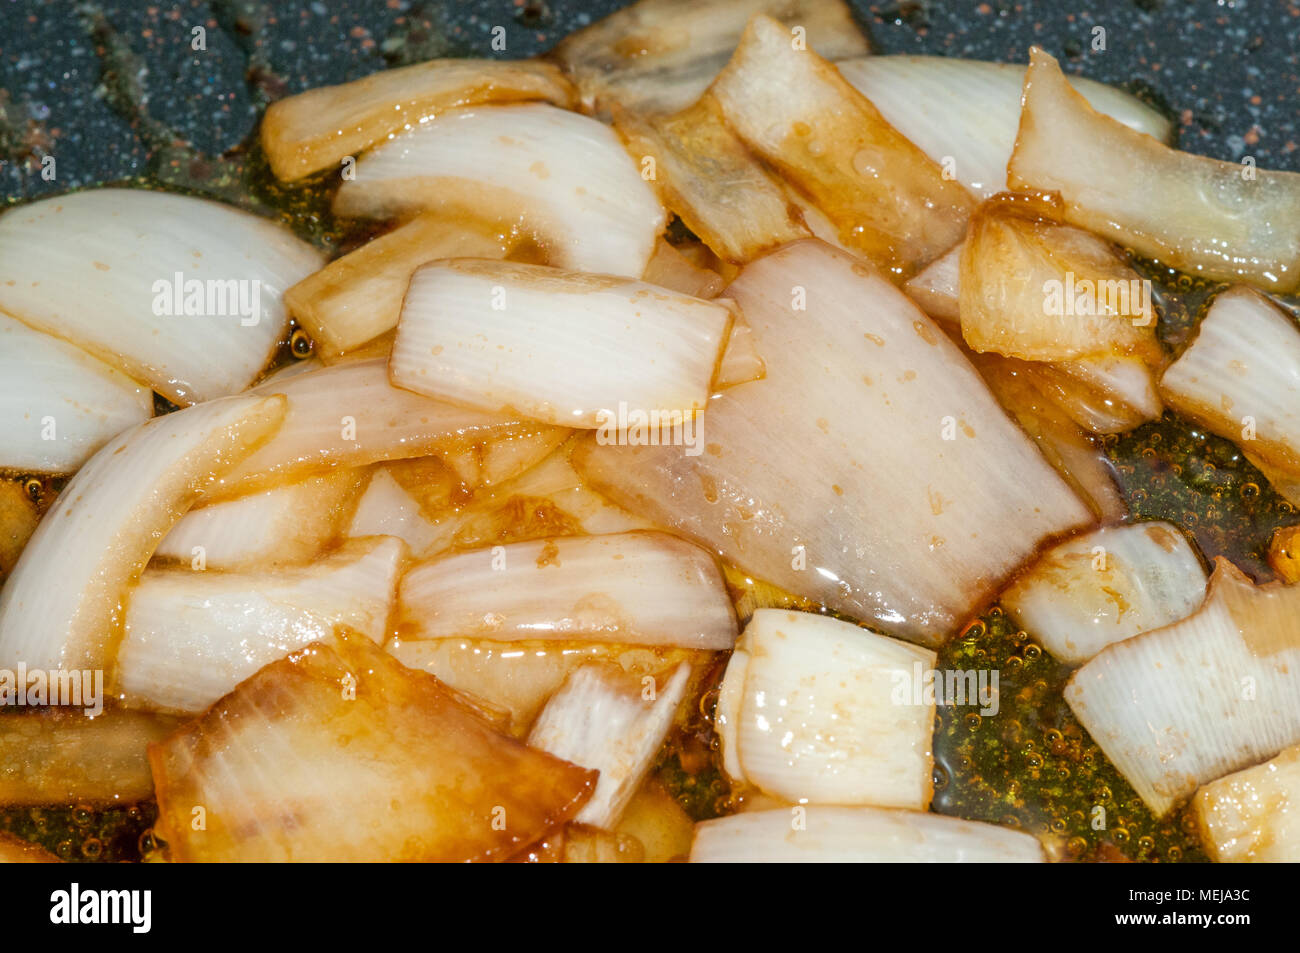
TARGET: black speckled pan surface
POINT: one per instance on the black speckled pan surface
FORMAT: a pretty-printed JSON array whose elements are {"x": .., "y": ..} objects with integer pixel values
[{"x": 109, "y": 87}]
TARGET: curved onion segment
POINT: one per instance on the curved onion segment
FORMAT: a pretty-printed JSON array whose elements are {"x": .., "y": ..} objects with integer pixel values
[
  {"x": 291, "y": 523},
  {"x": 191, "y": 637},
  {"x": 659, "y": 56},
  {"x": 888, "y": 199},
  {"x": 181, "y": 293},
  {"x": 966, "y": 112},
  {"x": 61, "y": 605},
  {"x": 1213, "y": 693},
  {"x": 349, "y": 415},
  {"x": 521, "y": 676},
  {"x": 604, "y": 720},
  {"x": 341, "y": 753},
  {"x": 823, "y": 712},
  {"x": 1220, "y": 220},
  {"x": 1041, "y": 291},
  {"x": 858, "y": 835},
  {"x": 359, "y": 297},
  {"x": 707, "y": 176},
  {"x": 867, "y": 471},
  {"x": 1253, "y": 816},
  {"x": 1241, "y": 377},
  {"x": 321, "y": 127},
  {"x": 566, "y": 179},
  {"x": 639, "y": 588},
  {"x": 560, "y": 347},
  {"x": 1107, "y": 586},
  {"x": 59, "y": 756},
  {"x": 58, "y": 405}
]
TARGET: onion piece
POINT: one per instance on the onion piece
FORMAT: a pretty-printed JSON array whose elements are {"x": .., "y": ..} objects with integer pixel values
[
  {"x": 706, "y": 175},
  {"x": 1210, "y": 694},
  {"x": 359, "y": 297},
  {"x": 638, "y": 588},
  {"x": 889, "y": 200},
  {"x": 1254, "y": 815},
  {"x": 386, "y": 509},
  {"x": 899, "y": 527},
  {"x": 601, "y": 720},
  {"x": 966, "y": 112},
  {"x": 19, "y": 516},
  {"x": 560, "y": 177},
  {"x": 1215, "y": 219},
  {"x": 60, "y": 606},
  {"x": 1037, "y": 290},
  {"x": 818, "y": 718},
  {"x": 1107, "y": 586},
  {"x": 822, "y": 834},
  {"x": 190, "y": 637},
  {"x": 59, "y": 756},
  {"x": 1286, "y": 483},
  {"x": 659, "y": 56},
  {"x": 564, "y": 348},
  {"x": 58, "y": 405},
  {"x": 1106, "y": 394},
  {"x": 493, "y": 462},
  {"x": 1241, "y": 377},
  {"x": 321, "y": 127},
  {"x": 741, "y": 362},
  {"x": 287, "y": 524},
  {"x": 520, "y": 676},
  {"x": 670, "y": 268},
  {"x": 657, "y": 821},
  {"x": 351, "y": 415},
  {"x": 138, "y": 256},
  {"x": 341, "y": 753}
]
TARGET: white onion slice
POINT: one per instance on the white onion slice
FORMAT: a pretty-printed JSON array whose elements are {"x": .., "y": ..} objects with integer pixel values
[
  {"x": 1213, "y": 693},
  {"x": 358, "y": 297},
  {"x": 937, "y": 286},
  {"x": 561, "y": 347},
  {"x": 349, "y": 414},
  {"x": 191, "y": 637},
  {"x": 966, "y": 112},
  {"x": 340, "y": 753},
  {"x": 716, "y": 186},
  {"x": 61, "y": 605},
  {"x": 659, "y": 56},
  {"x": 564, "y": 178},
  {"x": 832, "y": 477},
  {"x": 1241, "y": 377},
  {"x": 100, "y": 268},
  {"x": 520, "y": 676},
  {"x": 1220, "y": 220},
  {"x": 638, "y": 588},
  {"x": 599, "y": 720},
  {"x": 820, "y": 718},
  {"x": 1253, "y": 816},
  {"x": 1106, "y": 586},
  {"x": 320, "y": 127},
  {"x": 889, "y": 200},
  {"x": 290, "y": 523},
  {"x": 386, "y": 509},
  {"x": 58, "y": 405},
  {"x": 821, "y": 834}
]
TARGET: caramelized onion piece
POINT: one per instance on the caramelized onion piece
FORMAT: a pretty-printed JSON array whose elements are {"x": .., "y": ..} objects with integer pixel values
[
  {"x": 560, "y": 178},
  {"x": 1253, "y": 816},
  {"x": 359, "y": 297},
  {"x": 341, "y": 753},
  {"x": 1040, "y": 291},
  {"x": 60, "y": 608},
  {"x": 659, "y": 56},
  {"x": 1213, "y": 693},
  {"x": 1220, "y": 220},
  {"x": 670, "y": 268},
  {"x": 319, "y": 128},
  {"x": 867, "y": 471},
  {"x": 888, "y": 199},
  {"x": 705, "y": 174}
]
